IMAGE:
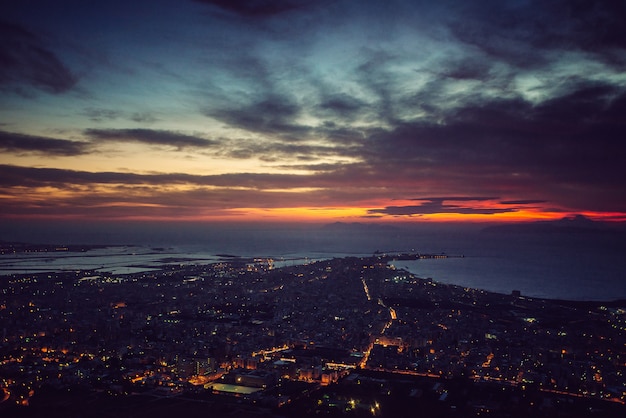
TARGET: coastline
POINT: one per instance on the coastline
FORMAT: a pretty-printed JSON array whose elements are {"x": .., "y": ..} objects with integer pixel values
[{"x": 496, "y": 274}]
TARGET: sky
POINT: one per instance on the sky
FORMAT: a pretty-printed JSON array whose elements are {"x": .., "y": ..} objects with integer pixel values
[{"x": 312, "y": 111}]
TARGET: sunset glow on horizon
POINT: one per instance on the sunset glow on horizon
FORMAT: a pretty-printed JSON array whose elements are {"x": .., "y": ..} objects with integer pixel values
[{"x": 304, "y": 111}]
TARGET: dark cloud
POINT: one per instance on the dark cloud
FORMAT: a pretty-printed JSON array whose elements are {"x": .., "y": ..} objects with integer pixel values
[
  {"x": 339, "y": 134},
  {"x": 159, "y": 202},
  {"x": 523, "y": 202},
  {"x": 441, "y": 199},
  {"x": 596, "y": 25},
  {"x": 374, "y": 75},
  {"x": 341, "y": 105},
  {"x": 434, "y": 207},
  {"x": 506, "y": 147},
  {"x": 570, "y": 131},
  {"x": 467, "y": 68},
  {"x": 144, "y": 117},
  {"x": 272, "y": 114},
  {"x": 151, "y": 137},
  {"x": 103, "y": 115},
  {"x": 501, "y": 34},
  {"x": 275, "y": 111},
  {"x": 157, "y": 194},
  {"x": 511, "y": 147},
  {"x": 522, "y": 34},
  {"x": 258, "y": 8},
  {"x": 15, "y": 175},
  {"x": 19, "y": 143},
  {"x": 35, "y": 177},
  {"x": 282, "y": 151},
  {"x": 26, "y": 60},
  {"x": 342, "y": 178},
  {"x": 99, "y": 115}
]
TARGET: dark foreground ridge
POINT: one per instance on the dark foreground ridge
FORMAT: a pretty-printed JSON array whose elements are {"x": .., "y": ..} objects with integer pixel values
[{"x": 349, "y": 337}]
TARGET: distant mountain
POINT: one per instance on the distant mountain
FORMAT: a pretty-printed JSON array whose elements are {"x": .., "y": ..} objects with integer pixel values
[{"x": 570, "y": 224}]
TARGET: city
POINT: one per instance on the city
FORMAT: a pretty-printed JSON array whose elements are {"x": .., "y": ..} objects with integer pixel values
[{"x": 347, "y": 336}]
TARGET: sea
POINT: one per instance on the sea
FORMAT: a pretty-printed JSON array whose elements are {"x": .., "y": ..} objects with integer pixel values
[{"x": 572, "y": 265}]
